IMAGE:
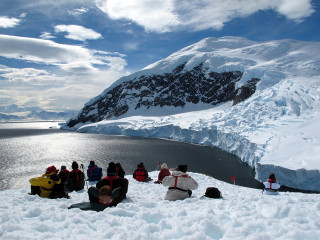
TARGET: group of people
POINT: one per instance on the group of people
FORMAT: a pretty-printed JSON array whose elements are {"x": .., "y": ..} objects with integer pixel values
[{"x": 112, "y": 189}]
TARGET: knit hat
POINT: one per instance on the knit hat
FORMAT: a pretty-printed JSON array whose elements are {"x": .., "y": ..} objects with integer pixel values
[
  {"x": 164, "y": 166},
  {"x": 182, "y": 168},
  {"x": 111, "y": 170},
  {"x": 140, "y": 165},
  {"x": 51, "y": 169},
  {"x": 75, "y": 165}
]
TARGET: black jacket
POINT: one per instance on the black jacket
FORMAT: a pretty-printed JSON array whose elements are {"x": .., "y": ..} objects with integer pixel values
[
  {"x": 115, "y": 182},
  {"x": 75, "y": 180}
]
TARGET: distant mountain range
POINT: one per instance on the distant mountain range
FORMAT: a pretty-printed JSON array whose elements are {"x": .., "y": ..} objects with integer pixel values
[{"x": 20, "y": 113}]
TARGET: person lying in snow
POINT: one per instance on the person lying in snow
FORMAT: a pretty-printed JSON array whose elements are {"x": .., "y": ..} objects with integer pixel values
[
  {"x": 94, "y": 172},
  {"x": 113, "y": 181},
  {"x": 163, "y": 173},
  {"x": 43, "y": 186},
  {"x": 271, "y": 185},
  {"x": 141, "y": 174},
  {"x": 101, "y": 199},
  {"x": 180, "y": 184}
]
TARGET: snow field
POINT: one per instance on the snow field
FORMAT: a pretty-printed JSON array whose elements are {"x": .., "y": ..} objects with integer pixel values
[{"x": 243, "y": 213}]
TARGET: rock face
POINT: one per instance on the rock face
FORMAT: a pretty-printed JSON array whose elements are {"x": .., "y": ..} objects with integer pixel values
[{"x": 175, "y": 89}]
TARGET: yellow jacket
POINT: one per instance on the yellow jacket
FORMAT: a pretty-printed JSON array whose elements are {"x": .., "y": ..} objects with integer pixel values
[{"x": 45, "y": 183}]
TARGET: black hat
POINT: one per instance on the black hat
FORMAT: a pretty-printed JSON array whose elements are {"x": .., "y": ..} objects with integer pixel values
[
  {"x": 140, "y": 165},
  {"x": 75, "y": 165},
  {"x": 111, "y": 170},
  {"x": 92, "y": 163},
  {"x": 182, "y": 168},
  {"x": 63, "y": 167}
]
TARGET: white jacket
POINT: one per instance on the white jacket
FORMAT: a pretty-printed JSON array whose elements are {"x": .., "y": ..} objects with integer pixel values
[
  {"x": 182, "y": 182},
  {"x": 271, "y": 188}
]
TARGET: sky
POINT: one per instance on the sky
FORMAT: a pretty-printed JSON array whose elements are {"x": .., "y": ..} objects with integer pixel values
[{"x": 59, "y": 54}]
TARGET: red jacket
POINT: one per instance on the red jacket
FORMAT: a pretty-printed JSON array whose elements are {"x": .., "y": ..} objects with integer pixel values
[
  {"x": 163, "y": 173},
  {"x": 140, "y": 174}
]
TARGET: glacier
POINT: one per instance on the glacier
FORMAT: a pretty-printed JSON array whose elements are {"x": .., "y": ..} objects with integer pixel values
[{"x": 275, "y": 130}]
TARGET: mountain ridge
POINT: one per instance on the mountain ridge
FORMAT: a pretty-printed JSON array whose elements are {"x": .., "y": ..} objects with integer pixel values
[{"x": 272, "y": 127}]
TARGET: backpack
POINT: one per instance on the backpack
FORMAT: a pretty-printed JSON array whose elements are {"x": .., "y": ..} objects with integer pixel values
[{"x": 212, "y": 192}]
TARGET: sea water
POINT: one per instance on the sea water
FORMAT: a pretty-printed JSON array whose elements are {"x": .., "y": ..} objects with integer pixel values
[{"x": 27, "y": 149}]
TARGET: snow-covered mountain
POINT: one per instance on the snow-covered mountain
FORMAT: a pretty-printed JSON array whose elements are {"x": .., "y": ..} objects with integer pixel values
[
  {"x": 20, "y": 113},
  {"x": 258, "y": 100}
]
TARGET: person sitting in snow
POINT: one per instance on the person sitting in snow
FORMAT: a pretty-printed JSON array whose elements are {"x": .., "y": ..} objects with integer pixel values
[
  {"x": 75, "y": 180},
  {"x": 163, "y": 173},
  {"x": 120, "y": 171},
  {"x": 113, "y": 181},
  {"x": 63, "y": 174},
  {"x": 94, "y": 172},
  {"x": 141, "y": 174},
  {"x": 43, "y": 186},
  {"x": 180, "y": 184},
  {"x": 271, "y": 185}
]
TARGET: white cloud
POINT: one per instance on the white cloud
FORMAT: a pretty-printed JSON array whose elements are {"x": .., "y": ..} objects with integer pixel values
[
  {"x": 46, "y": 35},
  {"x": 76, "y": 73},
  {"x": 153, "y": 15},
  {"x": 6, "y": 22},
  {"x": 170, "y": 15},
  {"x": 48, "y": 52},
  {"x": 295, "y": 9},
  {"x": 50, "y": 90},
  {"x": 27, "y": 75},
  {"x": 78, "y": 33},
  {"x": 78, "y": 11}
]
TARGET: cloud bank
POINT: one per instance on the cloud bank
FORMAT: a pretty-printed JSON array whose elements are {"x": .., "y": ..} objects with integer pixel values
[
  {"x": 171, "y": 15},
  {"x": 63, "y": 55},
  {"x": 74, "y": 73}
]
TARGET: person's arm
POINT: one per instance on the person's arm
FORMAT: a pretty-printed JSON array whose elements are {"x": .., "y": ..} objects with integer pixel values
[{"x": 193, "y": 185}]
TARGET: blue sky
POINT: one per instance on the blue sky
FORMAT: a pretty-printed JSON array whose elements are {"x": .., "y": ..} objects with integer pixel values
[{"x": 58, "y": 54}]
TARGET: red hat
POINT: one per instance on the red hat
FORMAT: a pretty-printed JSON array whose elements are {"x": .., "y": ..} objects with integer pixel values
[{"x": 51, "y": 169}]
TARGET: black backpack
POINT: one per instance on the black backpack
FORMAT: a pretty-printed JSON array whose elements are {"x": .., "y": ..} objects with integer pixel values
[{"x": 212, "y": 192}]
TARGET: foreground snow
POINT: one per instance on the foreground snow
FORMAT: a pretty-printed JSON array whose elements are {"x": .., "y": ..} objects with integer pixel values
[{"x": 243, "y": 213}]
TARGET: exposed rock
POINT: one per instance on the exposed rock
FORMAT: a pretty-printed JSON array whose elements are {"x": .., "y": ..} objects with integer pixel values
[{"x": 170, "y": 89}]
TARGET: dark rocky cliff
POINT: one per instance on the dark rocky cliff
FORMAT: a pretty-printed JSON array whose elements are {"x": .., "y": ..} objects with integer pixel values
[{"x": 171, "y": 89}]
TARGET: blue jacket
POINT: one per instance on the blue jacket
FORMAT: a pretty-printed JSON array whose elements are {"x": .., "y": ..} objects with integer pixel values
[{"x": 94, "y": 173}]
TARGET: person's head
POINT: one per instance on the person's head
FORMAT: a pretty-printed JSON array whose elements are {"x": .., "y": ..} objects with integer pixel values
[
  {"x": 118, "y": 165},
  {"x": 105, "y": 191},
  {"x": 272, "y": 176},
  {"x": 182, "y": 168},
  {"x": 164, "y": 166},
  {"x": 63, "y": 167},
  {"x": 51, "y": 169},
  {"x": 112, "y": 170},
  {"x": 75, "y": 165},
  {"x": 140, "y": 165},
  {"x": 105, "y": 194},
  {"x": 92, "y": 163}
]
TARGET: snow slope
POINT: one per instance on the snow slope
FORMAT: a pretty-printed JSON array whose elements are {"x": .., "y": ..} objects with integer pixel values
[
  {"x": 243, "y": 213},
  {"x": 275, "y": 130}
]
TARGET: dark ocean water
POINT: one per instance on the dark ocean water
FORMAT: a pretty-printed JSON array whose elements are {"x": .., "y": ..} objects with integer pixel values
[{"x": 27, "y": 149}]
